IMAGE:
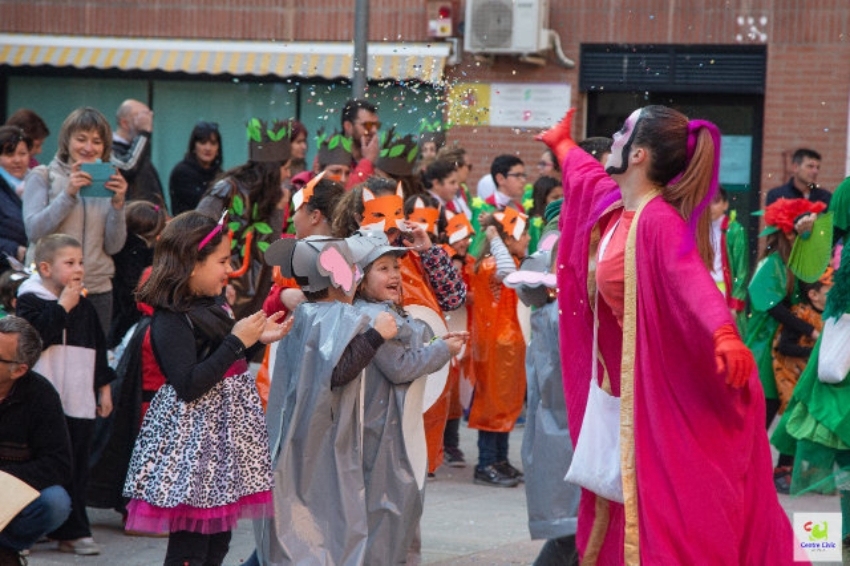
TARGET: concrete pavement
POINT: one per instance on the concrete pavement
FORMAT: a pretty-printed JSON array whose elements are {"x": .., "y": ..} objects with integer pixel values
[{"x": 463, "y": 525}]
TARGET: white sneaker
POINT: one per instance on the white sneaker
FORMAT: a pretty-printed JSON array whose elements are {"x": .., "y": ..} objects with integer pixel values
[{"x": 82, "y": 546}]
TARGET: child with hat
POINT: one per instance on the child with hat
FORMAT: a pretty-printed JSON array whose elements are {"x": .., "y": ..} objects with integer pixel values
[
  {"x": 314, "y": 411},
  {"x": 396, "y": 394}
]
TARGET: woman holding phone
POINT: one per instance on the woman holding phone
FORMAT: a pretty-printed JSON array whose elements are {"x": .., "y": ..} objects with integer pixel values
[{"x": 55, "y": 201}]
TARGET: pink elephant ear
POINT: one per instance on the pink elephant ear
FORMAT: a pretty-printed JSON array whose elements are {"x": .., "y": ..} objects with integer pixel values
[
  {"x": 548, "y": 242},
  {"x": 334, "y": 264}
]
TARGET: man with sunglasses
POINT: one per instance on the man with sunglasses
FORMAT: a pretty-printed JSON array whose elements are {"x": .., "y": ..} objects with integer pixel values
[
  {"x": 34, "y": 444},
  {"x": 360, "y": 123}
]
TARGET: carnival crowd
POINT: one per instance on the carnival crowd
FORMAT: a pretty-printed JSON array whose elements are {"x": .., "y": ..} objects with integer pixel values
[{"x": 299, "y": 343}]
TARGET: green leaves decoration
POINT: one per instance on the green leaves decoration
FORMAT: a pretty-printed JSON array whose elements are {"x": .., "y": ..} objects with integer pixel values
[
  {"x": 263, "y": 246},
  {"x": 277, "y": 136},
  {"x": 237, "y": 205},
  {"x": 234, "y": 226},
  {"x": 334, "y": 142},
  {"x": 396, "y": 150},
  {"x": 255, "y": 130},
  {"x": 414, "y": 151},
  {"x": 262, "y": 228},
  {"x": 346, "y": 143}
]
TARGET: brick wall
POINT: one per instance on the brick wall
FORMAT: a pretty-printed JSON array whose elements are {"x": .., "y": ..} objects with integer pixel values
[{"x": 808, "y": 81}]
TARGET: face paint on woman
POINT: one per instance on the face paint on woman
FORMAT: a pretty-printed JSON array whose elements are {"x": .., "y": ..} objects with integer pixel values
[{"x": 618, "y": 159}]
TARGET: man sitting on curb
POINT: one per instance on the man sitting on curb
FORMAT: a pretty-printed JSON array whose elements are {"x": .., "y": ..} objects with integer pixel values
[{"x": 34, "y": 443}]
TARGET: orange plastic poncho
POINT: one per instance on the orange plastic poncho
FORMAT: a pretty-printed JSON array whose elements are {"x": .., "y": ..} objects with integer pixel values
[
  {"x": 498, "y": 352},
  {"x": 461, "y": 378},
  {"x": 417, "y": 291}
]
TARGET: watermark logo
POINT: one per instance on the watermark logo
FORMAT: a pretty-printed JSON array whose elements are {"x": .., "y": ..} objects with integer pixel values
[{"x": 817, "y": 537}]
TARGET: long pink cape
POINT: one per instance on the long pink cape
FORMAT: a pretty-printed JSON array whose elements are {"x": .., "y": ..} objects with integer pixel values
[{"x": 704, "y": 483}]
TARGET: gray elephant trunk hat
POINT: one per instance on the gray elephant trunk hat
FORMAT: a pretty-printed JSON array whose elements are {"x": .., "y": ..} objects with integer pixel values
[
  {"x": 368, "y": 245},
  {"x": 316, "y": 263}
]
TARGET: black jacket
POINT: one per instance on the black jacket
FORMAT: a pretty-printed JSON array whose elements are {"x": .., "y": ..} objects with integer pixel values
[
  {"x": 130, "y": 262},
  {"x": 187, "y": 183},
  {"x": 788, "y": 190},
  {"x": 34, "y": 442},
  {"x": 136, "y": 167},
  {"x": 12, "y": 233}
]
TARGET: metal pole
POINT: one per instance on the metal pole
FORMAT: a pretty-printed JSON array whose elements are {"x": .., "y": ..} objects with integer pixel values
[{"x": 361, "y": 37}]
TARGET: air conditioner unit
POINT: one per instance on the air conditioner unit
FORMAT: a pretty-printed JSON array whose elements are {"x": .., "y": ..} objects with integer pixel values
[{"x": 506, "y": 26}]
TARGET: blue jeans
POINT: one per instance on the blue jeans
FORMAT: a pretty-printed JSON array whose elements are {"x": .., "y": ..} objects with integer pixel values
[
  {"x": 492, "y": 447},
  {"x": 40, "y": 517}
]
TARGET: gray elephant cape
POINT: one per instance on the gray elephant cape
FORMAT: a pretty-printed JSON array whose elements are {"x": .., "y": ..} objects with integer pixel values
[
  {"x": 394, "y": 451},
  {"x": 547, "y": 450},
  {"x": 316, "y": 443}
]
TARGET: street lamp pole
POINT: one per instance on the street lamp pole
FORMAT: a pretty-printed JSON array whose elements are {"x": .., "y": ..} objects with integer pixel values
[{"x": 361, "y": 37}]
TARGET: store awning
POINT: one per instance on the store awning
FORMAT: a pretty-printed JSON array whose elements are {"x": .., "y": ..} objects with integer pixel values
[{"x": 402, "y": 61}]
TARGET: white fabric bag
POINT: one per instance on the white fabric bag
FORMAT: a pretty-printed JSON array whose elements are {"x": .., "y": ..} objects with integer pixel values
[
  {"x": 834, "y": 356},
  {"x": 596, "y": 461}
]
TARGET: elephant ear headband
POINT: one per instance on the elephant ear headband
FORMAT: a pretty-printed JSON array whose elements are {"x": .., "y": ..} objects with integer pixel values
[{"x": 316, "y": 263}]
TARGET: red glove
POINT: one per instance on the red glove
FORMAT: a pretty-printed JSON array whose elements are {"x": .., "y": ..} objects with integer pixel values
[
  {"x": 559, "y": 138},
  {"x": 732, "y": 356}
]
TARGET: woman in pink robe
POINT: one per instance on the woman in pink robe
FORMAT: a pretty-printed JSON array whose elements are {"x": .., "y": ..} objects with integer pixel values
[{"x": 695, "y": 463}]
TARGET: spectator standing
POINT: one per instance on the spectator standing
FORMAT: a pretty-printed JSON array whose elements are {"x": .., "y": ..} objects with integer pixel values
[
  {"x": 191, "y": 178},
  {"x": 14, "y": 163},
  {"x": 805, "y": 167},
  {"x": 52, "y": 203},
  {"x": 34, "y": 128},
  {"x": 132, "y": 152},
  {"x": 145, "y": 220},
  {"x": 74, "y": 360}
]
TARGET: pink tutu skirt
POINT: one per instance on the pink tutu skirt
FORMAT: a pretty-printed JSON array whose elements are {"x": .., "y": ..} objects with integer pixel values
[
  {"x": 201, "y": 466},
  {"x": 144, "y": 517}
]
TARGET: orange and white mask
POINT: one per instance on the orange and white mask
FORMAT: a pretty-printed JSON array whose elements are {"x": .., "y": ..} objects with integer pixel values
[
  {"x": 513, "y": 222},
  {"x": 424, "y": 216},
  {"x": 458, "y": 227},
  {"x": 306, "y": 193},
  {"x": 383, "y": 213}
]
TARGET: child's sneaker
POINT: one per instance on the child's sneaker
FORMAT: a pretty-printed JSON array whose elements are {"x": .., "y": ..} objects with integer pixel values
[
  {"x": 453, "y": 457},
  {"x": 82, "y": 546}
]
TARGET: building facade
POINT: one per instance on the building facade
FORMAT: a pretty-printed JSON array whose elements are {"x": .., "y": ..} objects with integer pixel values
[{"x": 772, "y": 73}]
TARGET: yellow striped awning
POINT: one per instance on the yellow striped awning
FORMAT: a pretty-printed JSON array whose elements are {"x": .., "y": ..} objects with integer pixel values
[{"x": 401, "y": 61}]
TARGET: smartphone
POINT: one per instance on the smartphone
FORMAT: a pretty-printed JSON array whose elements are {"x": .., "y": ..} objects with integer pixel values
[{"x": 100, "y": 173}]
